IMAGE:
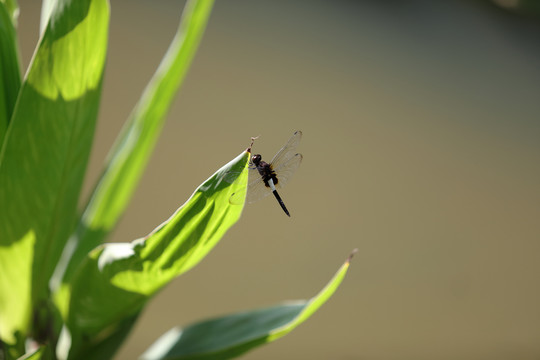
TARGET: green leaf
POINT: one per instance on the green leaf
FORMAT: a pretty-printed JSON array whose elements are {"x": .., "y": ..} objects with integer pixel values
[
  {"x": 10, "y": 74},
  {"x": 116, "y": 280},
  {"x": 13, "y": 10},
  {"x": 15, "y": 284},
  {"x": 129, "y": 156},
  {"x": 45, "y": 153},
  {"x": 229, "y": 336},
  {"x": 102, "y": 347},
  {"x": 47, "y": 7},
  {"x": 42, "y": 353}
]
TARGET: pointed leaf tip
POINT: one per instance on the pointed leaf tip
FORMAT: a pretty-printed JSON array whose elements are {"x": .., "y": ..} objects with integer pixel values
[
  {"x": 351, "y": 255},
  {"x": 231, "y": 335}
]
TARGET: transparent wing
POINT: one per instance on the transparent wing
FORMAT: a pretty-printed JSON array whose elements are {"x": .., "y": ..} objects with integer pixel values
[
  {"x": 256, "y": 188},
  {"x": 286, "y": 170},
  {"x": 231, "y": 175},
  {"x": 285, "y": 163},
  {"x": 287, "y": 152}
]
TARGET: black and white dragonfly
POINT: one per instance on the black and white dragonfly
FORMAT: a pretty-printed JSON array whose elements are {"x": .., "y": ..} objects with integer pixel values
[{"x": 266, "y": 178}]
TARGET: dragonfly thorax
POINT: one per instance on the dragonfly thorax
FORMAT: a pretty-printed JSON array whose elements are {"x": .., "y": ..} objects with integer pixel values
[{"x": 264, "y": 169}]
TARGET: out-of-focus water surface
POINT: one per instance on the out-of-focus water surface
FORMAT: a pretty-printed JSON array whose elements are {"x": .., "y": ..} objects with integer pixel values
[{"x": 421, "y": 148}]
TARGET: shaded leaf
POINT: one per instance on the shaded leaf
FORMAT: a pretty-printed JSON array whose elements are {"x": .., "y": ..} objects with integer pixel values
[
  {"x": 116, "y": 280},
  {"x": 129, "y": 156},
  {"x": 12, "y": 8},
  {"x": 101, "y": 347},
  {"x": 42, "y": 353},
  {"x": 229, "y": 336},
  {"x": 10, "y": 74},
  {"x": 44, "y": 157}
]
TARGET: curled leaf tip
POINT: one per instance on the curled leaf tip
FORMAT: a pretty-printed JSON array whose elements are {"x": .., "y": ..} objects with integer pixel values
[
  {"x": 352, "y": 254},
  {"x": 251, "y": 145}
]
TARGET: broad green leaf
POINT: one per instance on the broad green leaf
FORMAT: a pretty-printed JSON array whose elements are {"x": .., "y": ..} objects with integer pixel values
[
  {"x": 116, "y": 280},
  {"x": 128, "y": 157},
  {"x": 10, "y": 74},
  {"x": 229, "y": 336},
  {"x": 45, "y": 152}
]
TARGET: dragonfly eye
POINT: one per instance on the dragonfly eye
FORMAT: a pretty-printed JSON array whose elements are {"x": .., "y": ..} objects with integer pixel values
[{"x": 256, "y": 159}]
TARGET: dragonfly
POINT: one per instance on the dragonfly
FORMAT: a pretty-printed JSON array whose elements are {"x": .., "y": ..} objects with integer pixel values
[{"x": 266, "y": 178}]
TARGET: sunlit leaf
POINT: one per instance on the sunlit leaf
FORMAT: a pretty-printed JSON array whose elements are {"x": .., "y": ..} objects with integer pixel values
[
  {"x": 45, "y": 153},
  {"x": 229, "y": 336},
  {"x": 129, "y": 156},
  {"x": 116, "y": 280}
]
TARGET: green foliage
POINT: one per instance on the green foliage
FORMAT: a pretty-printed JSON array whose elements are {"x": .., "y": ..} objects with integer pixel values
[
  {"x": 60, "y": 285},
  {"x": 10, "y": 75},
  {"x": 133, "y": 272},
  {"x": 129, "y": 155},
  {"x": 232, "y": 335},
  {"x": 41, "y": 353},
  {"x": 44, "y": 156}
]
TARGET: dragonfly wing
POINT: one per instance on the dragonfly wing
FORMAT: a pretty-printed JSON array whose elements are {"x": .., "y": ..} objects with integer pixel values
[
  {"x": 231, "y": 175},
  {"x": 287, "y": 152},
  {"x": 240, "y": 197},
  {"x": 285, "y": 163},
  {"x": 256, "y": 191},
  {"x": 286, "y": 170}
]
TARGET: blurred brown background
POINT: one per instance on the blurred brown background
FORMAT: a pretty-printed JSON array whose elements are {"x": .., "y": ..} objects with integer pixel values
[{"x": 421, "y": 148}]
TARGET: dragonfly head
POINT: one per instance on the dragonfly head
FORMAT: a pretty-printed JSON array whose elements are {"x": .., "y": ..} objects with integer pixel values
[{"x": 256, "y": 159}]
